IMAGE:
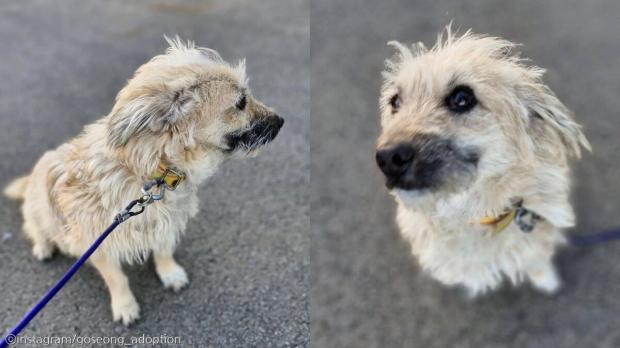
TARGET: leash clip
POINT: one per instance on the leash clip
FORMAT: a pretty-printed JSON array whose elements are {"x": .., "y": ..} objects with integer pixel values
[
  {"x": 526, "y": 219},
  {"x": 147, "y": 198},
  {"x": 128, "y": 212}
]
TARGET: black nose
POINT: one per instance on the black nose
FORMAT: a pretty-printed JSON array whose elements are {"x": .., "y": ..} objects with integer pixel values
[
  {"x": 394, "y": 160},
  {"x": 277, "y": 121}
]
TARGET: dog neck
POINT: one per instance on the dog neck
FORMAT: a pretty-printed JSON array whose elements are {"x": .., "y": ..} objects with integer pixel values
[
  {"x": 145, "y": 159},
  {"x": 544, "y": 192}
]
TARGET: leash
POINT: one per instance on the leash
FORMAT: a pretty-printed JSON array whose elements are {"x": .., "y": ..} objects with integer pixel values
[
  {"x": 147, "y": 198},
  {"x": 587, "y": 240}
]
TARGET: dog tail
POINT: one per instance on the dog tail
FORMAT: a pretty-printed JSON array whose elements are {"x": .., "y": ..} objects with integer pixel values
[{"x": 17, "y": 187}]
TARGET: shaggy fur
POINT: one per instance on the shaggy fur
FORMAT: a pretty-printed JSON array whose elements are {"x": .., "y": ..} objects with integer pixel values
[
  {"x": 513, "y": 145},
  {"x": 181, "y": 108}
]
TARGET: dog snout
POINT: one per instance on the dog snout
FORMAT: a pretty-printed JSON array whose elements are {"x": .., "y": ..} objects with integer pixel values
[
  {"x": 395, "y": 160},
  {"x": 276, "y": 122},
  {"x": 260, "y": 132},
  {"x": 273, "y": 124},
  {"x": 426, "y": 161}
]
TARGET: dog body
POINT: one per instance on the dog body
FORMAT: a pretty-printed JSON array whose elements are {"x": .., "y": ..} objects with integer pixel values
[
  {"x": 188, "y": 110},
  {"x": 458, "y": 251},
  {"x": 471, "y": 132}
]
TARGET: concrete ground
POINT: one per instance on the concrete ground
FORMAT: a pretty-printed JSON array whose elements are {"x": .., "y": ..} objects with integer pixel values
[
  {"x": 367, "y": 291},
  {"x": 61, "y": 64}
]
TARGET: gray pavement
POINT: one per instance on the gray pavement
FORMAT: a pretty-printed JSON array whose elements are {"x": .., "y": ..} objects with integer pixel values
[
  {"x": 367, "y": 291},
  {"x": 61, "y": 64}
]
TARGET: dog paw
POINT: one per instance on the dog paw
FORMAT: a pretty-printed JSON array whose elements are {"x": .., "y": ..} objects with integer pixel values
[
  {"x": 125, "y": 310},
  {"x": 546, "y": 281},
  {"x": 42, "y": 251},
  {"x": 174, "y": 278}
]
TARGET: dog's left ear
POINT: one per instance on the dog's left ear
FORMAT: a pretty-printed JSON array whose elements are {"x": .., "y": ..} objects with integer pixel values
[
  {"x": 152, "y": 111},
  {"x": 543, "y": 104}
]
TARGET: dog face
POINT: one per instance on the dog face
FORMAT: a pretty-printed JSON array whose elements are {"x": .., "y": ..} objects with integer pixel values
[
  {"x": 464, "y": 111},
  {"x": 189, "y": 103}
]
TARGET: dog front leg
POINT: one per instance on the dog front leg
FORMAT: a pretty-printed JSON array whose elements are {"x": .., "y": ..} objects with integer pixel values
[
  {"x": 544, "y": 277},
  {"x": 171, "y": 274},
  {"x": 125, "y": 308}
]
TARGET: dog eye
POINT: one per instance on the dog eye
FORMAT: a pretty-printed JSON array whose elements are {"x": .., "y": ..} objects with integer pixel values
[
  {"x": 461, "y": 99},
  {"x": 241, "y": 103},
  {"x": 395, "y": 103}
]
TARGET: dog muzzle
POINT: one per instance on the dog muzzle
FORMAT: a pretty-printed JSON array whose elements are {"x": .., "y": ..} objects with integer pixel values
[{"x": 260, "y": 132}]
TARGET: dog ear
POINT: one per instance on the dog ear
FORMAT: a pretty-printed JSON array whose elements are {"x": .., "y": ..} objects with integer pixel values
[
  {"x": 153, "y": 111},
  {"x": 545, "y": 105}
]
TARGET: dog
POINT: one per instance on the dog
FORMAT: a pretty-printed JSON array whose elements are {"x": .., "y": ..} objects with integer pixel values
[
  {"x": 475, "y": 148},
  {"x": 183, "y": 112}
]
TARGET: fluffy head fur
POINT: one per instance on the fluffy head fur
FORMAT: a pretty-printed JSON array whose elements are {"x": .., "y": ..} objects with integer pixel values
[
  {"x": 187, "y": 108},
  {"x": 185, "y": 104},
  {"x": 449, "y": 166}
]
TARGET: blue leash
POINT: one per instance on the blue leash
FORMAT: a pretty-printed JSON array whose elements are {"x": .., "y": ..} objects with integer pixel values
[
  {"x": 594, "y": 239},
  {"x": 125, "y": 214},
  {"x": 12, "y": 336}
]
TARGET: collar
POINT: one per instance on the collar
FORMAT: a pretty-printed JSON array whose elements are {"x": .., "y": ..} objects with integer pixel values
[
  {"x": 525, "y": 219},
  {"x": 170, "y": 176}
]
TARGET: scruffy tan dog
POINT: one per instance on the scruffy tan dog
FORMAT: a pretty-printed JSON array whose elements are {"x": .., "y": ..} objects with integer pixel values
[
  {"x": 186, "y": 110},
  {"x": 475, "y": 148}
]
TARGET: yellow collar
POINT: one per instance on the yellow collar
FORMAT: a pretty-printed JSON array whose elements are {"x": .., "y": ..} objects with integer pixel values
[
  {"x": 170, "y": 176},
  {"x": 524, "y": 218},
  {"x": 499, "y": 223}
]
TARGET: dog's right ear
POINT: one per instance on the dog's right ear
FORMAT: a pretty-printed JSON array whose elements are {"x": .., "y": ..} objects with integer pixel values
[
  {"x": 152, "y": 110},
  {"x": 545, "y": 105}
]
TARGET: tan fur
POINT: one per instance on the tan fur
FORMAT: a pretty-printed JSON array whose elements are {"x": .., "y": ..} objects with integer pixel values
[
  {"x": 526, "y": 136},
  {"x": 178, "y": 108},
  {"x": 16, "y": 188}
]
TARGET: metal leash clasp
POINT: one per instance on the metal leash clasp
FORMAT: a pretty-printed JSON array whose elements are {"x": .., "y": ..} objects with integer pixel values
[{"x": 147, "y": 198}]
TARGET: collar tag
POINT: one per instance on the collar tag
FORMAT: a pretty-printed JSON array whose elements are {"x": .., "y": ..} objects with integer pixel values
[{"x": 171, "y": 177}]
